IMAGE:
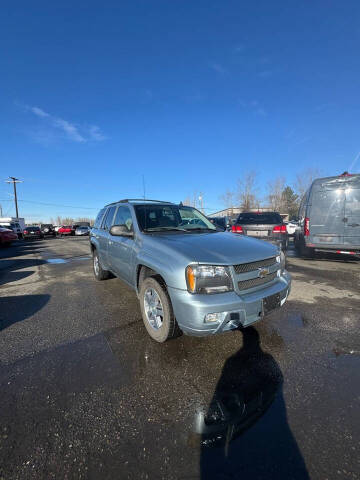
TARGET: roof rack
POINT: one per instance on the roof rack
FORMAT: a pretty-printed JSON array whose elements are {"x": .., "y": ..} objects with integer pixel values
[
  {"x": 143, "y": 200},
  {"x": 126, "y": 200}
]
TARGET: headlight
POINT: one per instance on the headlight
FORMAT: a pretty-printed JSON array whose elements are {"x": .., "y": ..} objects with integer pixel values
[{"x": 208, "y": 279}]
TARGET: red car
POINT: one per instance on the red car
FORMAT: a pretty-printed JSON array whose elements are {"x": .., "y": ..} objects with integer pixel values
[
  {"x": 66, "y": 230},
  {"x": 7, "y": 236}
]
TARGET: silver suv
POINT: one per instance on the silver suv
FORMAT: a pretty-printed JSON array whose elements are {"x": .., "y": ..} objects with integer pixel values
[{"x": 188, "y": 275}]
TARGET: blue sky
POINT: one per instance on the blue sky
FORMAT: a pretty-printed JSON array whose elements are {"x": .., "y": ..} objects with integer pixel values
[{"x": 192, "y": 94}]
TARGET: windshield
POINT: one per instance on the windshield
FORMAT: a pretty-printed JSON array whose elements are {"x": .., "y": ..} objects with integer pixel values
[
  {"x": 259, "y": 218},
  {"x": 171, "y": 217}
]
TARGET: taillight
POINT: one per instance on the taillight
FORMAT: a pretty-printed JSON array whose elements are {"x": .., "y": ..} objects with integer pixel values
[
  {"x": 279, "y": 229},
  {"x": 307, "y": 227},
  {"x": 25, "y": 231},
  {"x": 237, "y": 229}
]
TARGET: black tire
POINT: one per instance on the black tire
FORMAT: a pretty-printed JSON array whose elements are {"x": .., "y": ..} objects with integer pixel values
[
  {"x": 303, "y": 250},
  {"x": 99, "y": 272},
  {"x": 169, "y": 328}
]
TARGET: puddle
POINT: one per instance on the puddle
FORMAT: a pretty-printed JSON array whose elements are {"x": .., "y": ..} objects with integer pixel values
[
  {"x": 65, "y": 260},
  {"x": 56, "y": 260}
]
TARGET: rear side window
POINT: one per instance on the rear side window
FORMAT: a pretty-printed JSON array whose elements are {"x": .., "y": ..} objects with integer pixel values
[
  {"x": 327, "y": 203},
  {"x": 108, "y": 219},
  {"x": 123, "y": 217},
  {"x": 259, "y": 218},
  {"x": 353, "y": 201},
  {"x": 98, "y": 219}
]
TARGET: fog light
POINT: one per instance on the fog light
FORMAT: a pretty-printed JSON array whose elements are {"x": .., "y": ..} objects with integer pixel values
[{"x": 214, "y": 317}]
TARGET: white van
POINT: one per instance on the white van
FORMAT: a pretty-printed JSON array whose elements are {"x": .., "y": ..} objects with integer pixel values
[
  {"x": 329, "y": 216},
  {"x": 17, "y": 225}
]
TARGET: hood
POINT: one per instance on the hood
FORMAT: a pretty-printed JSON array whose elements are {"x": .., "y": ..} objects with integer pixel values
[{"x": 215, "y": 248}]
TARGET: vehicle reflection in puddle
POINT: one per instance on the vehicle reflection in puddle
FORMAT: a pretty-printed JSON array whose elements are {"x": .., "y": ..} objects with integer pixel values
[
  {"x": 250, "y": 385},
  {"x": 229, "y": 415},
  {"x": 247, "y": 386}
]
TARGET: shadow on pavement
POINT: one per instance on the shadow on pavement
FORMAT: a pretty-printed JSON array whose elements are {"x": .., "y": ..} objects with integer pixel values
[
  {"x": 8, "y": 269},
  {"x": 15, "y": 309},
  {"x": 250, "y": 384}
]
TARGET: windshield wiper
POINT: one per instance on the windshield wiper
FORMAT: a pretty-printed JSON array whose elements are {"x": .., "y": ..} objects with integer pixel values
[
  {"x": 200, "y": 229},
  {"x": 168, "y": 229}
]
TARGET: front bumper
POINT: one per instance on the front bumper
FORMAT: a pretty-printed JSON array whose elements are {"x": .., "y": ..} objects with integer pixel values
[{"x": 239, "y": 310}]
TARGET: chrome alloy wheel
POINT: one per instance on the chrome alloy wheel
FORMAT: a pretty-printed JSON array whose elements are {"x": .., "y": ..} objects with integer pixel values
[
  {"x": 96, "y": 265},
  {"x": 153, "y": 308}
]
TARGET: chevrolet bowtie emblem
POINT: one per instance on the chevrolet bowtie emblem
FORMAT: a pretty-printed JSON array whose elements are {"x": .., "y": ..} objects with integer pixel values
[{"x": 262, "y": 272}]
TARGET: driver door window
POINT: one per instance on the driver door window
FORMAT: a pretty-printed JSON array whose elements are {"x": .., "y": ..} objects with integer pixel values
[{"x": 123, "y": 217}]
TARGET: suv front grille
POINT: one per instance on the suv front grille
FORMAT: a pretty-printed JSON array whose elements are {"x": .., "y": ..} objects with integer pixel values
[
  {"x": 255, "y": 282},
  {"x": 249, "y": 267}
]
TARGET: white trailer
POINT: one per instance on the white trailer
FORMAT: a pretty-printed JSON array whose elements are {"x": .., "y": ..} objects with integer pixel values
[{"x": 16, "y": 224}]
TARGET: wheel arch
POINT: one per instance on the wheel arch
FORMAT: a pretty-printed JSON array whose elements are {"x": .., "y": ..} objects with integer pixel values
[{"x": 144, "y": 271}]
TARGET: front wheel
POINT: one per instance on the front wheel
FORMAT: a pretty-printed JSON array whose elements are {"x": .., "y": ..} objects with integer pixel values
[
  {"x": 156, "y": 310},
  {"x": 99, "y": 272}
]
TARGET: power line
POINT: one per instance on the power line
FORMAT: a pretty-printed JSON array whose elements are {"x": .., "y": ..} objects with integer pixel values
[{"x": 57, "y": 205}]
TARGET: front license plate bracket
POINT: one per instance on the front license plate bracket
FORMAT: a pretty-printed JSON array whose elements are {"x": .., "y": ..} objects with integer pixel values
[{"x": 271, "y": 303}]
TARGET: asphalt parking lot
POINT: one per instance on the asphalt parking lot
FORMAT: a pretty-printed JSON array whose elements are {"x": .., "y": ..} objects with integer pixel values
[{"x": 85, "y": 393}]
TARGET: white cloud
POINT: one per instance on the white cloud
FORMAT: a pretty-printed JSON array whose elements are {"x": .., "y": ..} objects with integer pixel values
[
  {"x": 254, "y": 106},
  {"x": 96, "y": 134},
  {"x": 218, "y": 68},
  {"x": 40, "y": 113},
  {"x": 73, "y": 132}
]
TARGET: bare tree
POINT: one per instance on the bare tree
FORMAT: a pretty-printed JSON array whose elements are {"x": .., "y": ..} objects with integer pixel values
[
  {"x": 304, "y": 179},
  {"x": 187, "y": 201},
  {"x": 58, "y": 220},
  {"x": 228, "y": 199},
  {"x": 67, "y": 221},
  {"x": 275, "y": 195},
  {"x": 85, "y": 219},
  {"x": 246, "y": 191}
]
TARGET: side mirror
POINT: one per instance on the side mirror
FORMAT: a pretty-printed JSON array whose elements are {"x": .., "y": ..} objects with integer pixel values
[{"x": 121, "y": 231}]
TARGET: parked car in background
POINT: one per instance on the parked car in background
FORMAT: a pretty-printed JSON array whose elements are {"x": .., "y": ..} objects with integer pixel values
[
  {"x": 82, "y": 231},
  {"x": 330, "y": 216},
  {"x": 7, "y": 236},
  {"x": 222, "y": 222},
  {"x": 188, "y": 276},
  {"x": 56, "y": 228},
  {"x": 48, "y": 229},
  {"x": 32, "y": 232},
  {"x": 66, "y": 230},
  {"x": 267, "y": 226}
]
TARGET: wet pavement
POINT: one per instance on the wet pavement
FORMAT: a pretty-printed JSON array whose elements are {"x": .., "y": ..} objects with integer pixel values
[{"x": 85, "y": 393}]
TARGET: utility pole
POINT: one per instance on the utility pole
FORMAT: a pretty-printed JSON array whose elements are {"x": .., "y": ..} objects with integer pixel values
[
  {"x": 1, "y": 211},
  {"x": 14, "y": 181}
]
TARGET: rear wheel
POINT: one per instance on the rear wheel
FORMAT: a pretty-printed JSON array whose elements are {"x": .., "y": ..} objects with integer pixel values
[
  {"x": 157, "y": 312},
  {"x": 99, "y": 272},
  {"x": 303, "y": 250}
]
